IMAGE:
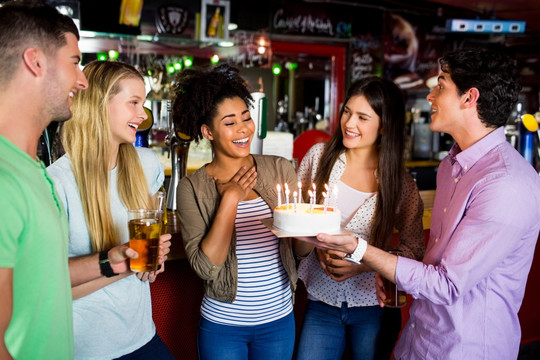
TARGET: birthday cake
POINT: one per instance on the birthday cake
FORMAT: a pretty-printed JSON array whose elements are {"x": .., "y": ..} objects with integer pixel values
[{"x": 305, "y": 222}]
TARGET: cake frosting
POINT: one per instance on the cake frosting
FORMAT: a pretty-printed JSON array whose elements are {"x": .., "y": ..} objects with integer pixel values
[{"x": 304, "y": 223}]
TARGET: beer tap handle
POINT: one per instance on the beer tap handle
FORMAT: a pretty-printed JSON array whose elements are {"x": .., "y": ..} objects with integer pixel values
[{"x": 178, "y": 144}]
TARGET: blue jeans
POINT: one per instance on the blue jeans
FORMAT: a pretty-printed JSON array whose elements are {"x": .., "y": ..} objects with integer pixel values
[
  {"x": 154, "y": 349},
  {"x": 274, "y": 340},
  {"x": 327, "y": 329}
]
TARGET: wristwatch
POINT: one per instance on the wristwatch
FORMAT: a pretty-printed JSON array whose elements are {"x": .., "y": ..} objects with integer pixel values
[
  {"x": 105, "y": 265},
  {"x": 356, "y": 256}
]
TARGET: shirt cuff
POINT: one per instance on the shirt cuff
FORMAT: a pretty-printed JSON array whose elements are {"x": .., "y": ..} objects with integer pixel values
[{"x": 405, "y": 270}]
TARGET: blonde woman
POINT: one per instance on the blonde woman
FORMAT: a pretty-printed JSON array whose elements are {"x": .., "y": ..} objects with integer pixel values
[{"x": 100, "y": 177}]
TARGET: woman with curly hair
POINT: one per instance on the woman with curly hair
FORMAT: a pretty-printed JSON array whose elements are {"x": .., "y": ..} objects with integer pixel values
[{"x": 249, "y": 274}]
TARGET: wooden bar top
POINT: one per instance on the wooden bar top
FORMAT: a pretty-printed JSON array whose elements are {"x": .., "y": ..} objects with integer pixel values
[{"x": 427, "y": 197}]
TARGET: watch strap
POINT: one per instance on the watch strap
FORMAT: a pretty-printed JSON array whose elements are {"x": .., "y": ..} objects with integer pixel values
[
  {"x": 105, "y": 264},
  {"x": 356, "y": 256}
]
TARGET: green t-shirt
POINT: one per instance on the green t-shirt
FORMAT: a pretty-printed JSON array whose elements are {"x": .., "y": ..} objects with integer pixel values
[{"x": 34, "y": 243}]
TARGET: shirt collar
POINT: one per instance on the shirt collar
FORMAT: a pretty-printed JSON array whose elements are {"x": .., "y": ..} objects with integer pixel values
[
  {"x": 467, "y": 158},
  {"x": 37, "y": 163},
  {"x": 343, "y": 158}
]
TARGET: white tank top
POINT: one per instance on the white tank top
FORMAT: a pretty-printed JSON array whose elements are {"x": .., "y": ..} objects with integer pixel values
[{"x": 349, "y": 201}]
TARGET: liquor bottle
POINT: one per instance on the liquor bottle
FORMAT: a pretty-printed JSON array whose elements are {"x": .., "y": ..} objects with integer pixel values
[
  {"x": 214, "y": 22},
  {"x": 511, "y": 129},
  {"x": 526, "y": 137},
  {"x": 130, "y": 12},
  {"x": 143, "y": 131}
]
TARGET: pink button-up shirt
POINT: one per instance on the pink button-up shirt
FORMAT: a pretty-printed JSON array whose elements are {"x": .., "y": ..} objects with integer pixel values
[{"x": 470, "y": 286}]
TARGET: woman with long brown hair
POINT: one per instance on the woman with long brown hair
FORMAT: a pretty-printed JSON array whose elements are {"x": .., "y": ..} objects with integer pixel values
[{"x": 363, "y": 163}]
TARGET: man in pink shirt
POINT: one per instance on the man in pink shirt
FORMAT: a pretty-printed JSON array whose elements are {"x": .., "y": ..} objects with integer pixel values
[{"x": 484, "y": 226}]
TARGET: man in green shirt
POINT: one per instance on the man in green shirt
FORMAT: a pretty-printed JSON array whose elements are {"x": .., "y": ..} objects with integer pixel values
[{"x": 39, "y": 74}]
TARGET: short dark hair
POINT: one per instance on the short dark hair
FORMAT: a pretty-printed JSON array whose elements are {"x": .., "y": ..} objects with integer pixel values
[
  {"x": 493, "y": 73},
  {"x": 198, "y": 92},
  {"x": 24, "y": 25}
]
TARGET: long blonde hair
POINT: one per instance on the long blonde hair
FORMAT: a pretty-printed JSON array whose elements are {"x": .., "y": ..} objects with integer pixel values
[{"x": 86, "y": 139}]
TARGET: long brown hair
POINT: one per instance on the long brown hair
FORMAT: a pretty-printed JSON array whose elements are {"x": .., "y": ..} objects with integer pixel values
[{"x": 387, "y": 101}]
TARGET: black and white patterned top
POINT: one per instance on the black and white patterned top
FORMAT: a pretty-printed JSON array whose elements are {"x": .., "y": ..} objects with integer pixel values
[{"x": 359, "y": 290}]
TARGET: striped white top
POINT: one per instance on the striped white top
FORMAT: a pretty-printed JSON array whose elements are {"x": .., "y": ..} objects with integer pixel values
[{"x": 264, "y": 293}]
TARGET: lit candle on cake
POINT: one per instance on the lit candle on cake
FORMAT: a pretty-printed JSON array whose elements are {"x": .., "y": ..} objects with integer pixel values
[
  {"x": 287, "y": 192},
  {"x": 278, "y": 195},
  {"x": 295, "y": 200},
  {"x": 300, "y": 192},
  {"x": 311, "y": 197},
  {"x": 335, "y": 193},
  {"x": 325, "y": 196},
  {"x": 328, "y": 194}
]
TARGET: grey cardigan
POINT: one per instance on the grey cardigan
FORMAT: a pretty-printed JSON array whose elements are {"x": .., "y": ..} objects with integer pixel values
[{"x": 198, "y": 201}]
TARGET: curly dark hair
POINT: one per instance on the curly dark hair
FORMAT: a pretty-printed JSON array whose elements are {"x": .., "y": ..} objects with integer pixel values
[
  {"x": 494, "y": 74},
  {"x": 198, "y": 92}
]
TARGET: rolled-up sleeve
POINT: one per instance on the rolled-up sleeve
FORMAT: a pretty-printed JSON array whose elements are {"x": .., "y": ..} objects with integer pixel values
[
  {"x": 194, "y": 228},
  {"x": 475, "y": 250}
]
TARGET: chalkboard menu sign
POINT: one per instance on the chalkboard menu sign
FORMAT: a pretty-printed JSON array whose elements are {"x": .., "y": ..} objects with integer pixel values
[
  {"x": 366, "y": 56},
  {"x": 365, "y": 47},
  {"x": 292, "y": 19}
]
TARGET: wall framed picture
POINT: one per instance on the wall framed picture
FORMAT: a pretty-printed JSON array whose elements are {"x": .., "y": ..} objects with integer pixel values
[{"x": 215, "y": 15}]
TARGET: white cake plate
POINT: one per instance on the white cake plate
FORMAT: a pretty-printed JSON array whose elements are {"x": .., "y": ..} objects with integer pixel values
[{"x": 269, "y": 223}]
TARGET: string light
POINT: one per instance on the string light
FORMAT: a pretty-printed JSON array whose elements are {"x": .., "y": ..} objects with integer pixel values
[
  {"x": 113, "y": 54},
  {"x": 188, "y": 61}
]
